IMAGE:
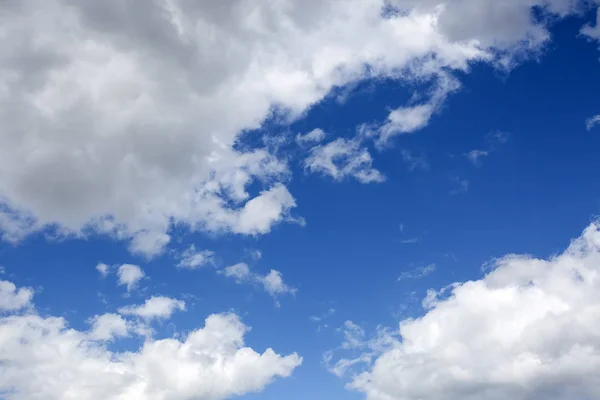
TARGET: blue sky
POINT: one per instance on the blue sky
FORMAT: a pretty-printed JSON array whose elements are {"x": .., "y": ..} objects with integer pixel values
[{"x": 327, "y": 267}]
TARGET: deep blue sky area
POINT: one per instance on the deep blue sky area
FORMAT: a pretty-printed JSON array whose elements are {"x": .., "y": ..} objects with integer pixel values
[{"x": 534, "y": 191}]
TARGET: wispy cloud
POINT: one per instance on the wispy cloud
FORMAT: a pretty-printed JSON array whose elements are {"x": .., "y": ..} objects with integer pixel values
[
  {"x": 461, "y": 185},
  {"x": 194, "y": 259},
  {"x": 412, "y": 240},
  {"x": 343, "y": 158},
  {"x": 408, "y": 240},
  {"x": 417, "y": 273},
  {"x": 312, "y": 137},
  {"x": 592, "y": 122},
  {"x": 272, "y": 282},
  {"x": 320, "y": 319},
  {"x": 493, "y": 139},
  {"x": 475, "y": 156},
  {"x": 497, "y": 137},
  {"x": 323, "y": 316},
  {"x": 414, "y": 162}
]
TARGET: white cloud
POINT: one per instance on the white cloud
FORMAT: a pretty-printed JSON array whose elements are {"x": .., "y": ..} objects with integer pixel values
[
  {"x": 593, "y": 32},
  {"x": 475, "y": 156},
  {"x": 417, "y": 273},
  {"x": 272, "y": 282},
  {"x": 527, "y": 330},
  {"x": 270, "y": 207},
  {"x": 149, "y": 243},
  {"x": 240, "y": 272},
  {"x": 343, "y": 159},
  {"x": 121, "y": 118},
  {"x": 193, "y": 259},
  {"x": 314, "y": 136},
  {"x": 42, "y": 357},
  {"x": 592, "y": 122},
  {"x": 107, "y": 327},
  {"x": 11, "y": 298},
  {"x": 103, "y": 269},
  {"x": 155, "y": 307},
  {"x": 408, "y": 119},
  {"x": 129, "y": 275}
]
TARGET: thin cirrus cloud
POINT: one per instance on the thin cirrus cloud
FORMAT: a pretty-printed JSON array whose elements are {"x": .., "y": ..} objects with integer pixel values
[
  {"x": 133, "y": 171},
  {"x": 416, "y": 273}
]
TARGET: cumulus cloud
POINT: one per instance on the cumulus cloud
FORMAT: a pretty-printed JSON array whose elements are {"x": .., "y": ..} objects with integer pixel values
[
  {"x": 107, "y": 327},
  {"x": 193, "y": 259},
  {"x": 129, "y": 275},
  {"x": 527, "y": 330},
  {"x": 121, "y": 118},
  {"x": 272, "y": 282},
  {"x": 11, "y": 298},
  {"x": 240, "y": 272},
  {"x": 155, "y": 307},
  {"x": 149, "y": 243},
  {"x": 103, "y": 269},
  {"x": 42, "y": 357},
  {"x": 341, "y": 159}
]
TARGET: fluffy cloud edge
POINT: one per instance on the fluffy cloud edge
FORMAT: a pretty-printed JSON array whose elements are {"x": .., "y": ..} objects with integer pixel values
[
  {"x": 526, "y": 330},
  {"x": 43, "y": 356}
]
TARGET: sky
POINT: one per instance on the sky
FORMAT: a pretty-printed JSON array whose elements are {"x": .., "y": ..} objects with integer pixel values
[{"x": 317, "y": 199}]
